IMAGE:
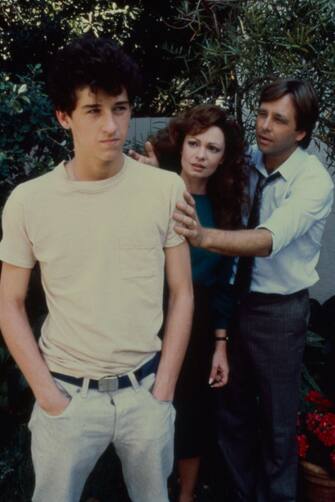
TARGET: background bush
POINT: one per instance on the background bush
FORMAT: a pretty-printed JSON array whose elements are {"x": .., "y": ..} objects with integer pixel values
[{"x": 30, "y": 139}]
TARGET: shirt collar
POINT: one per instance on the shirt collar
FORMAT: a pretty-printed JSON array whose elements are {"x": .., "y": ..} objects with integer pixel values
[{"x": 288, "y": 169}]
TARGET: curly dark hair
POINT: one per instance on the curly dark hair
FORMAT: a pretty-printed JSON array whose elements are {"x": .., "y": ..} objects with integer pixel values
[
  {"x": 94, "y": 62},
  {"x": 227, "y": 186}
]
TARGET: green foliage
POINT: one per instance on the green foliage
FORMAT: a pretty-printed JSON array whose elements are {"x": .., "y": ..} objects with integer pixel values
[
  {"x": 30, "y": 139},
  {"x": 4, "y": 364},
  {"x": 314, "y": 362},
  {"x": 32, "y": 30},
  {"x": 16, "y": 470},
  {"x": 234, "y": 47}
]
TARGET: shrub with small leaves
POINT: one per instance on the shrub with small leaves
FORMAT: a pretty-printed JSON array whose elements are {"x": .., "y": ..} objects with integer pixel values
[{"x": 31, "y": 141}]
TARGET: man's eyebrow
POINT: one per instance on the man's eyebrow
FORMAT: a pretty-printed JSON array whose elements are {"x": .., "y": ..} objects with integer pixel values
[
  {"x": 89, "y": 107},
  {"x": 98, "y": 105},
  {"x": 276, "y": 115},
  {"x": 281, "y": 117}
]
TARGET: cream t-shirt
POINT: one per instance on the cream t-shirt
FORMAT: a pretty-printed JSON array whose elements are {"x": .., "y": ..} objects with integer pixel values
[{"x": 100, "y": 246}]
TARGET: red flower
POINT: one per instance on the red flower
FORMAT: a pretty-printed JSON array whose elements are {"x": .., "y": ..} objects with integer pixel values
[
  {"x": 316, "y": 432},
  {"x": 323, "y": 426},
  {"x": 315, "y": 397}
]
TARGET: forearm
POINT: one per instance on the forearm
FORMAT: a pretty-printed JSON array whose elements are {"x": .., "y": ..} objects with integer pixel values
[
  {"x": 175, "y": 341},
  {"x": 256, "y": 242},
  {"x": 221, "y": 345},
  {"x": 24, "y": 349}
]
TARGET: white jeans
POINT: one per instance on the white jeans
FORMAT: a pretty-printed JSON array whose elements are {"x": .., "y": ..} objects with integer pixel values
[{"x": 66, "y": 447}]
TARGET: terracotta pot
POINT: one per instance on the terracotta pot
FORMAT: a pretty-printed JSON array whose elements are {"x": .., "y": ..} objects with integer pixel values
[{"x": 318, "y": 485}]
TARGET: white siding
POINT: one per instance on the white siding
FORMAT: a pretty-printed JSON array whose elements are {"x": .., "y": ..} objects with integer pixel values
[{"x": 325, "y": 288}]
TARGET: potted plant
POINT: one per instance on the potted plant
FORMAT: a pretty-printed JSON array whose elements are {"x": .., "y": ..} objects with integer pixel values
[
  {"x": 316, "y": 418},
  {"x": 316, "y": 447}
]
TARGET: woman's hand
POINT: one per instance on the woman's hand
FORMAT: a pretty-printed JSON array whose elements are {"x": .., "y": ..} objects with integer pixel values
[
  {"x": 220, "y": 367},
  {"x": 148, "y": 157}
]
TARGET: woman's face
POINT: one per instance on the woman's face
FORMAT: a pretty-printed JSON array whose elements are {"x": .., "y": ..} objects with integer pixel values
[{"x": 202, "y": 153}]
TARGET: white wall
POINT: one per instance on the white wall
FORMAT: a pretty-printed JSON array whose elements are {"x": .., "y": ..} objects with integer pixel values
[{"x": 325, "y": 288}]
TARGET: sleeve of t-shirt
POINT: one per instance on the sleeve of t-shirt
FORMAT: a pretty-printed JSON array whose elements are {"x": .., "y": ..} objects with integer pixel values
[
  {"x": 176, "y": 195},
  {"x": 15, "y": 246}
]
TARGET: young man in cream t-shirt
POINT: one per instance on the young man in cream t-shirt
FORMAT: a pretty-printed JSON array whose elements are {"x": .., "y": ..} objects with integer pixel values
[{"x": 100, "y": 228}]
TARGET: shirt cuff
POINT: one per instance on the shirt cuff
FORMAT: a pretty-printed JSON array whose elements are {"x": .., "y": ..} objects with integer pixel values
[{"x": 274, "y": 247}]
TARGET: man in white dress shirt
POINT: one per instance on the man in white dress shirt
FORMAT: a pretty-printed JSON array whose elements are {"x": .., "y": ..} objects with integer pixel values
[{"x": 293, "y": 196}]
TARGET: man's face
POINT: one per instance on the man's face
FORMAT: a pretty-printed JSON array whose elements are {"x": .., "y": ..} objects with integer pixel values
[
  {"x": 99, "y": 125},
  {"x": 276, "y": 133}
]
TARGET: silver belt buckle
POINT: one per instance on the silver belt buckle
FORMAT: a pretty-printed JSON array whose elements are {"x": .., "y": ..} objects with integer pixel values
[{"x": 108, "y": 384}]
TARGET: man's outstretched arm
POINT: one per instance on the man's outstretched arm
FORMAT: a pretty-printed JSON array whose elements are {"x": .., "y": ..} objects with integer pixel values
[
  {"x": 20, "y": 340},
  {"x": 178, "y": 321}
]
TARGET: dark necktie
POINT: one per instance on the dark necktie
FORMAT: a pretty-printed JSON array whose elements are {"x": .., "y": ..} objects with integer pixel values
[{"x": 246, "y": 263}]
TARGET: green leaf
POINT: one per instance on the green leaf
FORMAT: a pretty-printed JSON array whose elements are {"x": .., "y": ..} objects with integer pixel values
[{"x": 22, "y": 89}]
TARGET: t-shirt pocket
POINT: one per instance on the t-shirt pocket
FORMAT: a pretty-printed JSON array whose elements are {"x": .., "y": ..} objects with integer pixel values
[{"x": 140, "y": 258}]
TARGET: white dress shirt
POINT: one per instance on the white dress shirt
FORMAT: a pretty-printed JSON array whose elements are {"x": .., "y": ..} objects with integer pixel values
[{"x": 294, "y": 209}]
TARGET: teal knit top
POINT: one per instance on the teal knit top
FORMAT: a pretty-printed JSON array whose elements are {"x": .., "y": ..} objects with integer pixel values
[{"x": 213, "y": 270}]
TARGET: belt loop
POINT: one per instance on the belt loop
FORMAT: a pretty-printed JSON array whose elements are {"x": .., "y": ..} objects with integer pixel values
[
  {"x": 133, "y": 379},
  {"x": 84, "y": 388}
]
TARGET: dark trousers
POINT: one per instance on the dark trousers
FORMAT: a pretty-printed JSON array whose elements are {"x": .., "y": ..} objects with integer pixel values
[{"x": 258, "y": 408}]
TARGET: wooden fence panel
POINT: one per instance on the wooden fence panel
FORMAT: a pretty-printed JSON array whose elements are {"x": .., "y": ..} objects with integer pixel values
[{"x": 141, "y": 128}]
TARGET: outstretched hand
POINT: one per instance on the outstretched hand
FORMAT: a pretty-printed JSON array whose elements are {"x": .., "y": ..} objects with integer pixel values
[
  {"x": 187, "y": 221},
  {"x": 148, "y": 157}
]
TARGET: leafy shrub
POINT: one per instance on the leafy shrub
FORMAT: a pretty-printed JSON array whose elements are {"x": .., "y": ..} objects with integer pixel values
[{"x": 30, "y": 139}]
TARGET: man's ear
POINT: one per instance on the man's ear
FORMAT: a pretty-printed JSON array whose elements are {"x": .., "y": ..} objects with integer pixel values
[
  {"x": 300, "y": 135},
  {"x": 63, "y": 119}
]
